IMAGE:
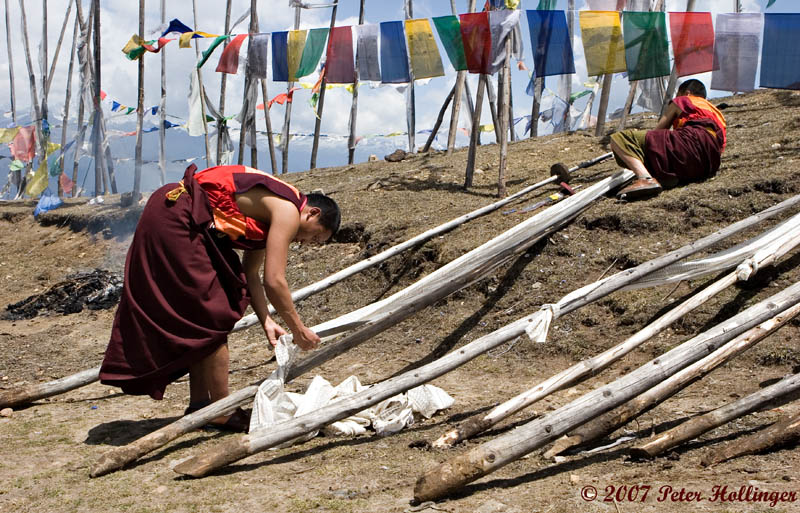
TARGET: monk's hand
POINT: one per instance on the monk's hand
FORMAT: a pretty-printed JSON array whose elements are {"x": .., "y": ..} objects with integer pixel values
[
  {"x": 305, "y": 339},
  {"x": 273, "y": 331}
]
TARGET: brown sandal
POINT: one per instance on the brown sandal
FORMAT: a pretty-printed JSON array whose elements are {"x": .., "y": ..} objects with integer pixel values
[
  {"x": 641, "y": 188},
  {"x": 238, "y": 422}
]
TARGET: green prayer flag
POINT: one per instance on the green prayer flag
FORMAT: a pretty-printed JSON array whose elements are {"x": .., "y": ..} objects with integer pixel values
[
  {"x": 130, "y": 109},
  {"x": 646, "y": 44},
  {"x": 207, "y": 53},
  {"x": 769, "y": 4},
  {"x": 546, "y": 5},
  {"x": 16, "y": 165},
  {"x": 449, "y": 30},
  {"x": 315, "y": 44}
]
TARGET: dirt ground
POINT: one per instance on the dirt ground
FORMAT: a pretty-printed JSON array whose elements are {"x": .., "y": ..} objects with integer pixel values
[{"x": 48, "y": 447}]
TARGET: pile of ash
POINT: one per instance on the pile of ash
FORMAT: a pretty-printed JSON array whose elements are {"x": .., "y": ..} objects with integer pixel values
[{"x": 96, "y": 290}]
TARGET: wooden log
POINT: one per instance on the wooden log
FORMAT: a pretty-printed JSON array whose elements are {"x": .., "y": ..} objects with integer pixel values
[
  {"x": 67, "y": 97},
  {"x": 782, "y": 432},
  {"x": 24, "y": 395},
  {"x": 696, "y": 426},
  {"x": 475, "y": 133},
  {"x": 611, "y": 421},
  {"x": 504, "y": 124},
  {"x": 438, "y": 123},
  {"x": 137, "y": 169},
  {"x": 11, "y": 88},
  {"x": 351, "y": 139},
  {"x": 448, "y": 477},
  {"x": 454, "y": 276}
]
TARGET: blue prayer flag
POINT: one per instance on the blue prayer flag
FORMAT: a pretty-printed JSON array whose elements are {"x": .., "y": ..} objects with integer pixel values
[
  {"x": 394, "y": 56},
  {"x": 176, "y": 25},
  {"x": 780, "y": 59},
  {"x": 115, "y": 106},
  {"x": 550, "y": 41},
  {"x": 280, "y": 61}
]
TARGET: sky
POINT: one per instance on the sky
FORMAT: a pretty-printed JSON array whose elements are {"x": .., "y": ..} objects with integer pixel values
[{"x": 380, "y": 109}]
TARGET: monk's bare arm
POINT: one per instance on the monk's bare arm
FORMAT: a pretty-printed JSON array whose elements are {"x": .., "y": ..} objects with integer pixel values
[
  {"x": 252, "y": 262},
  {"x": 670, "y": 115}
]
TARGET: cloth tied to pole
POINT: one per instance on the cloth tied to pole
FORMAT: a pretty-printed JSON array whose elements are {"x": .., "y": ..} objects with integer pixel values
[{"x": 537, "y": 330}]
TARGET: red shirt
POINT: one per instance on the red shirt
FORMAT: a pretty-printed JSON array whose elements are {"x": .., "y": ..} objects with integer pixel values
[
  {"x": 696, "y": 108},
  {"x": 222, "y": 183}
]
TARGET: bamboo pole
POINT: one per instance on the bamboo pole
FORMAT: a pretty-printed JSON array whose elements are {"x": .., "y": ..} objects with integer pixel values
[
  {"x": 287, "y": 115},
  {"x": 452, "y": 277},
  {"x": 137, "y": 172},
  {"x": 224, "y": 82},
  {"x": 200, "y": 84},
  {"x": 351, "y": 140},
  {"x": 696, "y": 426},
  {"x": 610, "y": 421},
  {"x": 67, "y": 97},
  {"x": 411, "y": 99},
  {"x": 502, "y": 130},
  {"x": 439, "y": 120},
  {"x": 782, "y": 432},
  {"x": 162, "y": 106},
  {"x": 490, "y": 456},
  {"x": 58, "y": 50},
  {"x": 11, "y": 88},
  {"x": 475, "y": 133}
]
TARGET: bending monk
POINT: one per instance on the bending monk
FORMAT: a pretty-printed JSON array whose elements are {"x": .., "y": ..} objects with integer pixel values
[
  {"x": 664, "y": 158},
  {"x": 185, "y": 286}
]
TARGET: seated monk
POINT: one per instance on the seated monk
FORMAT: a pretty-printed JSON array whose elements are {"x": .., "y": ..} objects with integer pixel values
[
  {"x": 185, "y": 286},
  {"x": 664, "y": 158}
]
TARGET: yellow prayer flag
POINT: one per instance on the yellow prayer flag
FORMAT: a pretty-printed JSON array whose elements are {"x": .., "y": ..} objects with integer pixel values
[
  {"x": 603, "y": 45},
  {"x": 133, "y": 43},
  {"x": 294, "y": 51},
  {"x": 38, "y": 182},
  {"x": 185, "y": 40},
  {"x": 8, "y": 134},
  {"x": 52, "y": 147},
  {"x": 426, "y": 62},
  {"x": 486, "y": 128}
]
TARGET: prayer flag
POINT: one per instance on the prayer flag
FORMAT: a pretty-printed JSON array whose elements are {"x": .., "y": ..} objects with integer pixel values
[
  {"x": 736, "y": 51},
  {"x": 294, "y": 52},
  {"x": 208, "y": 51},
  {"x": 394, "y": 57},
  {"x": 477, "y": 40},
  {"x": 603, "y": 45},
  {"x": 501, "y": 23},
  {"x": 22, "y": 145},
  {"x": 39, "y": 181},
  {"x": 546, "y": 5},
  {"x": 8, "y": 134},
  {"x": 367, "y": 56},
  {"x": 315, "y": 44},
  {"x": 339, "y": 61},
  {"x": 280, "y": 63},
  {"x": 449, "y": 30},
  {"x": 257, "y": 55},
  {"x": 550, "y": 42},
  {"x": 229, "y": 60},
  {"x": 646, "y": 46},
  {"x": 425, "y": 59},
  {"x": 66, "y": 183},
  {"x": 780, "y": 62},
  {"x": 185, "y": 40},
  {"x": 175, "y": 25},
  {"x": 692, "y": 42}
]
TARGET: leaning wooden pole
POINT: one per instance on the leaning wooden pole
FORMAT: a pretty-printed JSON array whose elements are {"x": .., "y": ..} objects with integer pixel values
[
  {"x": 351, "y": 139},
  {"x": 223, "y": 84},
  {"x": 268, "y": 125},
  {"x": 696, "y": 426},
  {"x": 614, "y": 419},
  {"x": 322, "y": 88},
  {"x": 67, "y": 98},
  {"x": 11, "y": 88},
  {"x": 490, "y": 456},
  {"x": 200, "y": 85},
  {"x": 86, "y": 29},
  {"x": 782, "y": 432},
  {"x": 34, "y": 96},
  {"x": 162, "y": 109},
  {"x": 251, "y": 83},
  {"x": 475, "y": 133},
  {"x": 502, "y": 130},
  {"x": 438, "y": 124},
  {"x": 43, "y": 61},
  {"x": 52, "y": 71},
  {"x": 100, "y": 180},
  {"x": 137, "y": 170},
  {"x": 287, "y": 114},
  {"x": 411, "y": 95}
]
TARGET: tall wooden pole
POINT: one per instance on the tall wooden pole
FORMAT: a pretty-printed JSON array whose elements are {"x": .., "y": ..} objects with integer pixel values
[
  {"x": 459, "y": 88},
  {"x": 439, "y": 119},
  {"x": 43, "y": 60},
  {"x": 411, "y": 102},
  {"x": 538, "y": 89},
  {"x": 100, "y": 179},
  {"x": 287, "y": 113},
  {"x": 58, "y": 50},
  {"x": 223, "y": 81},
  {"x": 323, "y": 86},
  {"x": 606, "y": 91},
  {"x": 162, "y": 108},
  {"x": 568, "y": 78},
  {"x": 81, "y": 104},
  {"x": 252, "y": 108},
  {"x": 200, "y": 83},
  {"x": 137, "y": 172},
  {"x": 10, "y": 67},
  {"x": 475, "y": 134},
  {"x": 351, "y": 140},
  {"x": 493, "y": 104},
  {"x": 34, "y": 95},
  {"x": 67, "y": 97},
  {"x": 502, "y": 130},
  {"x": 512, "y": 134}
]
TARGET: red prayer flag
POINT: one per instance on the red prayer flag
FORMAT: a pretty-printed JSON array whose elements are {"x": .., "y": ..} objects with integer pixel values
[
  {"x": 692, "y": 42},
  {"x": 23, "y": 145},
  {"x": 477, "y": 37},
  {"x": 229, "y": 60},
  {"x": 339, "y": 64},
  {"x": 66, "y": 183}
]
